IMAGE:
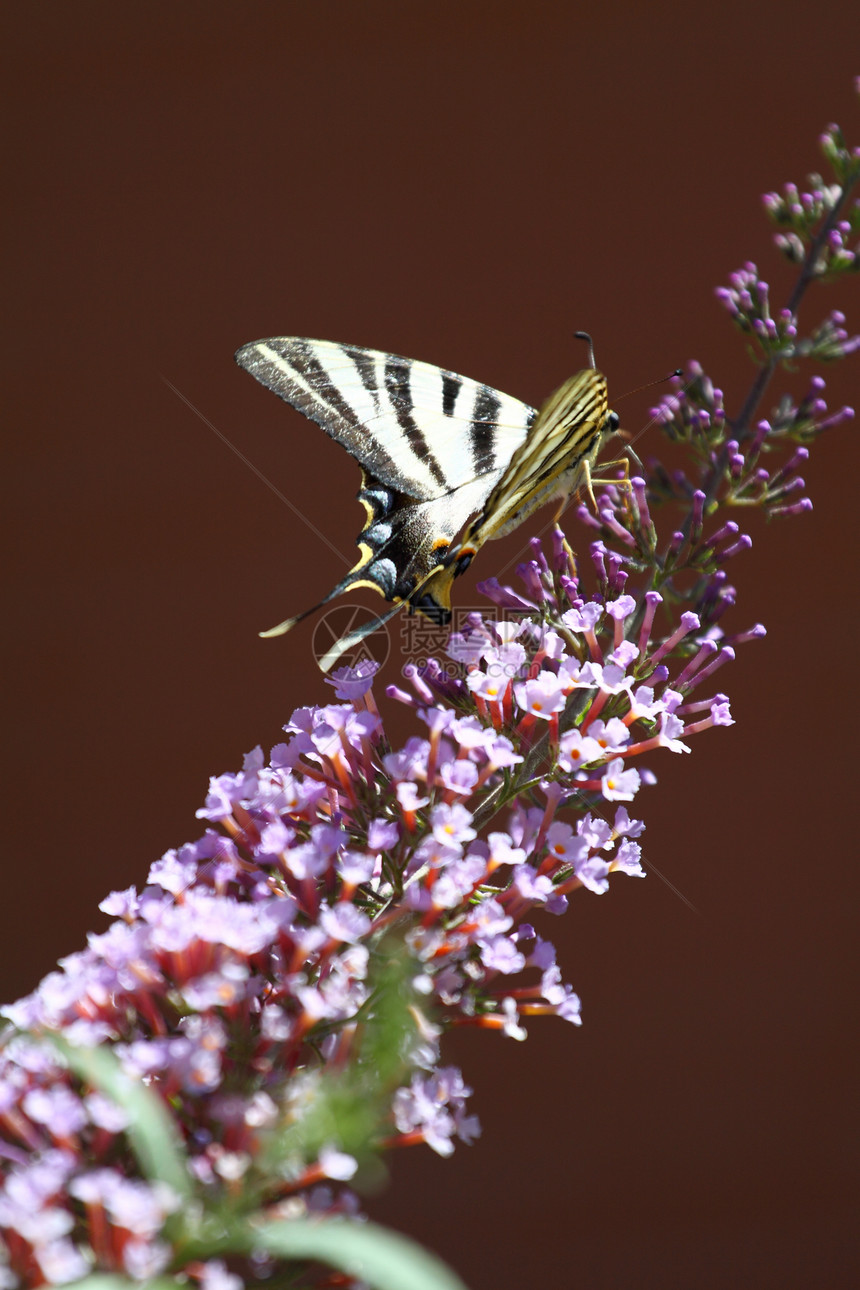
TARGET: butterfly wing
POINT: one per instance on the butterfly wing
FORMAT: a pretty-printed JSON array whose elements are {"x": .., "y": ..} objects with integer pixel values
[
  {"x": 432, "y": 446},
  {"x": 555, "y": 459},
  {"x": 420, "y": 429}
]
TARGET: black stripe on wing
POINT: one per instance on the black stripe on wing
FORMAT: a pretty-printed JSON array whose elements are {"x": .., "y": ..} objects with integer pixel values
[
  {"x": 323, "y": 402},
  {"x": 451, "y": 387},
  {"x": 306, "y": 362},
  {"x": 485, "y": 414},
  {"x": 421, "y": 429},
  {"x": 366, "y": 369},
  {"x": 399, "y": 389}
]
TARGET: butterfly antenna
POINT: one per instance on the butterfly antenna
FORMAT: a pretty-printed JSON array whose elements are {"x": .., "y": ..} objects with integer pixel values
[
  {"x": 648, "y": 424},
  {"x": 648, "y": 384},
  {"x": 583, "y": 335}
]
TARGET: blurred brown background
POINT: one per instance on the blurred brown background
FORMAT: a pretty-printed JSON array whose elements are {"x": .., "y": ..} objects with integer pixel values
[{"x": 466, "y": 183}]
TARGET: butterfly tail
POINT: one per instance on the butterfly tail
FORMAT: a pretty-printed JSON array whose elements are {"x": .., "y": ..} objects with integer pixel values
[
  {"x": 352, "y": 638},
  {"x": 289, "y": 623}
]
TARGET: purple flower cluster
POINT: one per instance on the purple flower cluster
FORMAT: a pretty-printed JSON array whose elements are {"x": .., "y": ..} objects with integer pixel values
[
  {"x": 799, "y": 215},
  {"x": 816, "y": 230},
  {"x": 245, "y": 967},
  {"x": 733, "y": 460},
  {"x": 746, "y": 299}
]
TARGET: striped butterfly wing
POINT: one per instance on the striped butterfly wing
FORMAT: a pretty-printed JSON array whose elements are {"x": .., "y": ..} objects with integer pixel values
[
  {"x": 552, "y": 462},
  {"x": 432, "y": 446}
]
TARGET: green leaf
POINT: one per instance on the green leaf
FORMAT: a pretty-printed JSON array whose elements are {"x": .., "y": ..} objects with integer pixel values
[
  {"x": 151, "y": 1133},
  {"x": 377, "y": 1255}
]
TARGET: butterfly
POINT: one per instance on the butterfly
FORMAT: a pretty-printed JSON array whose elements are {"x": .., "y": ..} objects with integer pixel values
[{"x": 446, "y": 463}]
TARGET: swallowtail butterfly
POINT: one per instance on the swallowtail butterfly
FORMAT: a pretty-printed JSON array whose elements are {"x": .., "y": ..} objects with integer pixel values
[{"x": 446, "y": 463}]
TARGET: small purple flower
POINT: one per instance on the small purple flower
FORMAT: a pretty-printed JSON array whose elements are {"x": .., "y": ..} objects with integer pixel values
[
  {"x": 721, "y": 713},
  {"x": 593, "y": 872},
  {"x": 624, "y": 654},
  {"x": 643, "y": 704},
  {"x": 222, "y": 989},
  {"x": 216, "y": 1277},
  {"x": 457, "y": 881},
  {"x": 627, "y": 859},
  {"x": 621, "y": 608},
  {"x": 502, "y": 850},
  {"x": 61, "y": 1262},
  {"x": 275, "y": 839},
  {"x": 125, "y": 904},
  {"x": 570, "y": 1008},
  {"x": 382, "y": 835},
  {"x": 531, "y": 885},
  {"x": 410, "y": 762},
  {"x": 506, "y": 660},
  {"x": 344, "y": 922},
  {"x": 564, "y": 845},
  {"x": 433, "y": 1107},
  {"x": 584, "y": 618},
  {"x": 106, "y": 1114},
  {"x": 352, "y": 683},
  {"x": 543, "y": 696},
  {"x": 223, "y": 790},
  {"x": 624, "y": 827},
  {"x": 577, "y": 750},
  {"x": 458, "y": 777},
  {"x": 452, "y": 824},
  {"x": 610, "y": 736},
  {"x": 431, "y": 853},
  {"x": 468, "y": 650},
  {"x": 409, "y": 797},
  {"x": 501, "y": 753},
  {"x": 670, "y": 728},
  {"x": 499, "y": 954},
  {"x": 356, "y": 867},
  {"x": 488, "y": 686},
  {"x": 618, "y": 784},
  {"x": 60, "y": 1111}
]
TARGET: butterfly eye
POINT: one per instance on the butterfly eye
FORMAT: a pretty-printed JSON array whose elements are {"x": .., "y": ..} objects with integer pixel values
[
  {"x": 613, "y": 421},
  {"x": 463, "y": 563}
]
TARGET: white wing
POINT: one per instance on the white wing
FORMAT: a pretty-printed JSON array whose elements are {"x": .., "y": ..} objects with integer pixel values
[{"x": 414, "y": 427}]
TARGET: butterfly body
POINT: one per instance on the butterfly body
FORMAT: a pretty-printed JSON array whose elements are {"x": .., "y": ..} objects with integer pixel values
[{"x": 447, "y": 463}]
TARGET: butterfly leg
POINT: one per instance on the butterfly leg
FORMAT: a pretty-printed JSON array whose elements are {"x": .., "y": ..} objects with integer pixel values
[
  {"x": 566, "y": 547},
  {"x": 621, "y": 483},
  {"x": 563, "y": 503},
  {"x": 587, "y": 485}
]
